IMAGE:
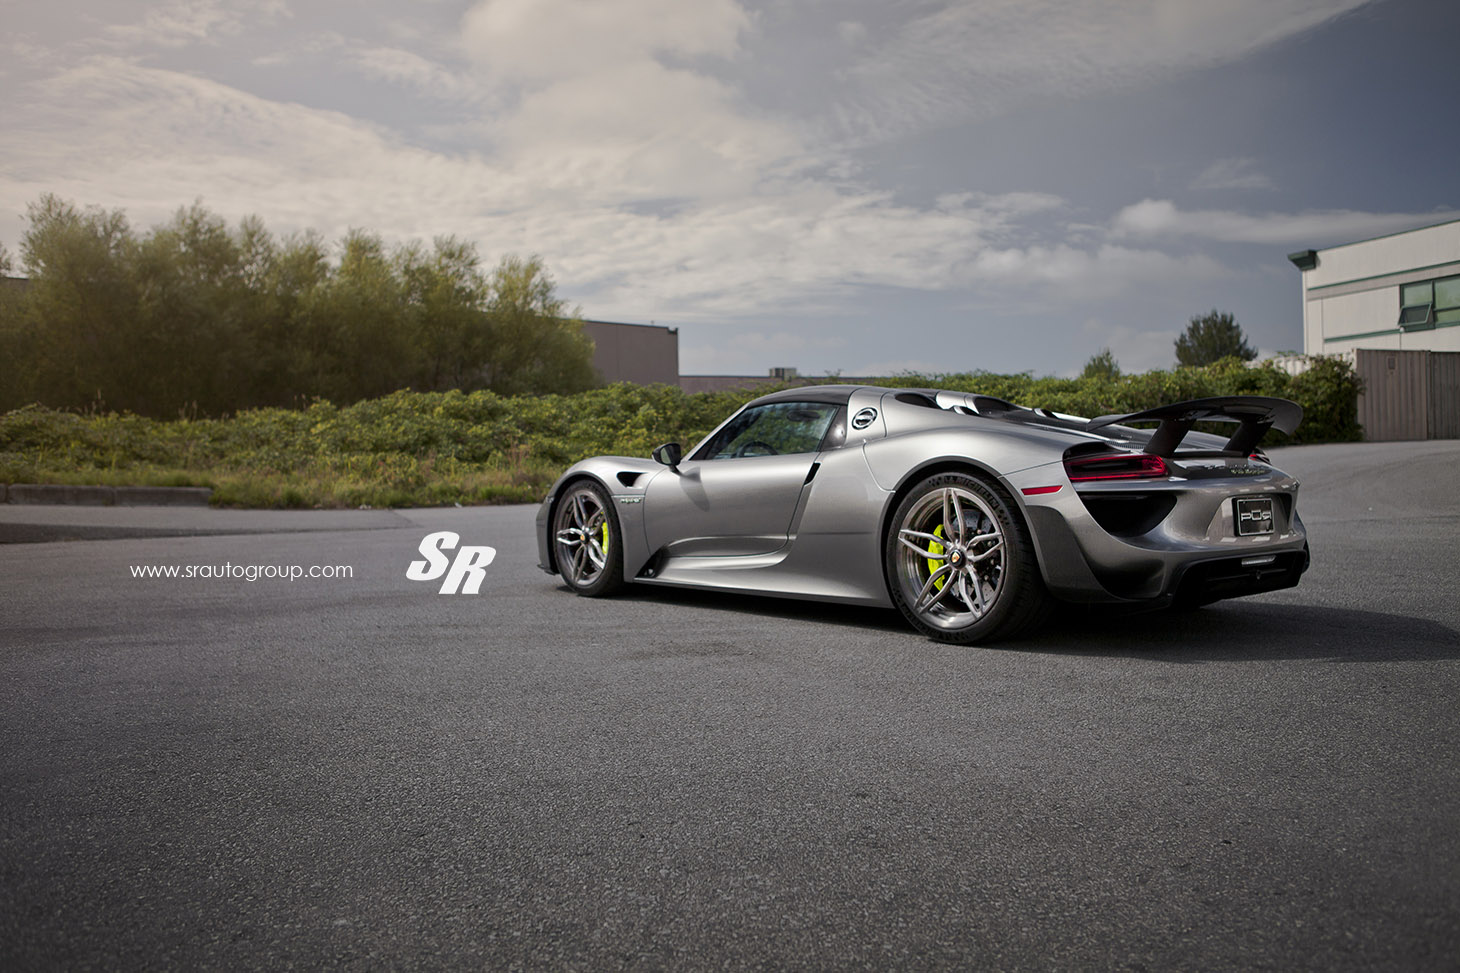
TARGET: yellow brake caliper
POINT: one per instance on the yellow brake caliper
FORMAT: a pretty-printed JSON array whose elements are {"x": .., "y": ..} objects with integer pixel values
[
  {"x": 605, "y": 536},
  {"x": 936, "y": 548}
]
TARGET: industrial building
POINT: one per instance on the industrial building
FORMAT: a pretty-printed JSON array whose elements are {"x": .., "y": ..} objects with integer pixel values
[
  {"x": 640, "y": 353},
  {"x": 1391, "y": 305}
]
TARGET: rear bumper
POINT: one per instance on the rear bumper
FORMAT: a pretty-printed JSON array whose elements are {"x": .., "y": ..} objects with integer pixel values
[
  {"x": 1203, "y": 582},
  {"x": 1188, "y": 550}
]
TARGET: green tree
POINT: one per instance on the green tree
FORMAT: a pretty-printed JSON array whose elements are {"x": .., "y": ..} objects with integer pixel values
[
  {"x": 78, "y": 333},
  {"x": 288, "y": 276},
  {"x": 535, "y": 344},
  {"x": 12, "y": 369},
  {"x": 197, "y": 316},
  {"x": 1102, "y": 366},
  {"x": 1210, "y": 338},
  {"x": 446, "y": 298},
  {"x": 354, "y": 345}
]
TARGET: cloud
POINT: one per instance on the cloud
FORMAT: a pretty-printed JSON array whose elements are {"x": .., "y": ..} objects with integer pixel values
[
  {"x": 1101, "y": 272},
  {"x": 968, "y": 61},
  {"x": 852, "y": 32},
  {"x": 754, "y": 352},
  {"x": 113, "y": 131},
  {"x": 182, "y": 22},
  {"x": 539, "y": 41},
  {"x": 604, "y": 102},
  {"x": 1234, "y": 173},
  {"x": 411, "y": 70},
  {"x": 640, "y": 131},
  {"x": 1161, "y": 217},
  {"x": 887, "y": 367},
  {"x": 637, "y": 169},
  {"x": 1135, "y": 349}
]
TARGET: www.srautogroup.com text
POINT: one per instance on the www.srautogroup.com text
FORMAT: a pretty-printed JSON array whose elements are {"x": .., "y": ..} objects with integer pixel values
[{"x": 244, "y": 572}]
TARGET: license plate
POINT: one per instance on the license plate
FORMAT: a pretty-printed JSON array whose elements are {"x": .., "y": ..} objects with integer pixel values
[{"x": 1254, "y": 515}]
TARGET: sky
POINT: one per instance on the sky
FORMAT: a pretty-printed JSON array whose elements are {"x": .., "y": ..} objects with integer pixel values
[{"x": 860, "y": 187}]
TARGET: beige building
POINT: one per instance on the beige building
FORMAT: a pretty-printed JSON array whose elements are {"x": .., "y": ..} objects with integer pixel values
[
  {"x": 1391, "y": 305},
  {"x": 1399, "y": 292}
]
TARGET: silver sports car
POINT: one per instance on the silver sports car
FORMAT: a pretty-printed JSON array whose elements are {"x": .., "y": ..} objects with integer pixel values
[{"x": 968, "y": 513}]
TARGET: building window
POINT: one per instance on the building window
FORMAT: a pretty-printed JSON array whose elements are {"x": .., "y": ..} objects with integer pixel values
[
  {"x": 1428, "y": 303},
  {"x": 1447, "y": 300}
]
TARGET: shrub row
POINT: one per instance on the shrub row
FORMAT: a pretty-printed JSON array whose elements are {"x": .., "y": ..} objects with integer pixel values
[{"x": 443, "y": 447}]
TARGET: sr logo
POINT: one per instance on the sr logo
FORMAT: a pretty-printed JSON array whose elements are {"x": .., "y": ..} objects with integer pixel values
[{"x": 464, "y": 573}]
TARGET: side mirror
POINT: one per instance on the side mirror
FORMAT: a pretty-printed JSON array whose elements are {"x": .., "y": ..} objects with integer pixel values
[{"x": 669, "y": 454}]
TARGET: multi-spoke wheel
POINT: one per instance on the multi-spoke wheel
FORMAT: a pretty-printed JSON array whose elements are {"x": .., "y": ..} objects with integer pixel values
[
  {"x": 960, "y": 562},
  {"x": 586, "y": 541}
]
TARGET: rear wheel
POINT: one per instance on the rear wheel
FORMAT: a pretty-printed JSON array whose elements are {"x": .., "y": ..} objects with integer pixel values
[
  {"x": 586, "y": 541},
  {"x": 960, "y": 562}
]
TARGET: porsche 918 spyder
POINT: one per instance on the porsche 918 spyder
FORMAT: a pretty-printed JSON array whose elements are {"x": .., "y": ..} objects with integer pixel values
[{"x": 968, "y": 513}]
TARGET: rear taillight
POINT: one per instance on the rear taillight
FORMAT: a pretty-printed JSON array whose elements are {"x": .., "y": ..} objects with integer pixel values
[{"x": 1116, "y": 466}]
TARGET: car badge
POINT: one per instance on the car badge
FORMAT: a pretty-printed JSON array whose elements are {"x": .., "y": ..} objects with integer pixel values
[{"x": 864, "y": 418}]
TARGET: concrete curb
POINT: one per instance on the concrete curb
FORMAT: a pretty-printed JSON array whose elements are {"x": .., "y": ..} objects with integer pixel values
[{"x": 105, "y": 496}]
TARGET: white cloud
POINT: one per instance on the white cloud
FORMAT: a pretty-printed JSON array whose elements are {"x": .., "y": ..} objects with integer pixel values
[
  {"x": 1098, "y": 273},
  {"x": 535, "y": 41},
  {"x": 852, "y": 32},
  {"x": 1233, "y": 173},
  {"x": 122, "y": 134},
  {"x": 1161, "y": 217},
  {"x": 616, "y": 140},
  {"x": 182, "y": 22},
  {"x": 641, "y": 131},
  {"x": 413, "y": 71},
  {"x": 606, "y": 107},
  {"x": 967, "y": 60},
  {"x": 754, "y": 352},
  {"x": 1135, "y": 349},
  {"x": 888, "y": 367}
]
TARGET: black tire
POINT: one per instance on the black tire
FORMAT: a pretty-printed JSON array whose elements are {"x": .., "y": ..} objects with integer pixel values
[
  {"x": 587, "y": 541},
  {"x": 985, "y": 586}
]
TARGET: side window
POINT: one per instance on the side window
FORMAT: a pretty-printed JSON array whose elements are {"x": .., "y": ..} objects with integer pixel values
[{"x": 772, "y": 430}]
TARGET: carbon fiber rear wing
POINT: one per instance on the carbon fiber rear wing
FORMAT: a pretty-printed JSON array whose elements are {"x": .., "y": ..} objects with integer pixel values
[{"x": 1255, "y": 415}]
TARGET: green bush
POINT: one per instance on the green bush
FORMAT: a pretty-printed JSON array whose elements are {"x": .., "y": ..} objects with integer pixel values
[{"x": 424, "y": 448}]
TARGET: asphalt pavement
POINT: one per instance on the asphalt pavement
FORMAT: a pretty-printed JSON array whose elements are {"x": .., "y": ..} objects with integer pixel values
[{"x": 359, "y": 771}]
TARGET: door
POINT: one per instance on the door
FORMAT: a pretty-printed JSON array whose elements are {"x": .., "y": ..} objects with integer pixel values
[{"x": 738, "y": 494}]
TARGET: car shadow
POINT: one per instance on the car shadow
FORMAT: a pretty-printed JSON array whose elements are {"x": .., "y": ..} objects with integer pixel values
[
  {"x": 1238, "y": 630},
  {"x": 1241, "y": 630},
  {"x": 823, "y": 613}
]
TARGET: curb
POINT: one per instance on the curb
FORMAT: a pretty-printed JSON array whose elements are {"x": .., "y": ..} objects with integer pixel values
[{"x": 105, "y": 496}]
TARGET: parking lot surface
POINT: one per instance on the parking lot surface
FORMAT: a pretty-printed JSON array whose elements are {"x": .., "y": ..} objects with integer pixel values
[{"x": 359, "y": 771}]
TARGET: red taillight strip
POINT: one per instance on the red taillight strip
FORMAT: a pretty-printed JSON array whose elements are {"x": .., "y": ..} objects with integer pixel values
[
  {"x": 1119, "y": 466},
  {"x": 1040, "y": 491}
]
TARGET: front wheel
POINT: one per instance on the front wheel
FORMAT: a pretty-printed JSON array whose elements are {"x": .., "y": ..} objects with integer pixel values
[
  {"x": 586, "y": 541},
  {"x": 960, "y": 562}
]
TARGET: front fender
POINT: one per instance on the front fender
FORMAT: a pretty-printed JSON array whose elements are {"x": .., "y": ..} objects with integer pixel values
[{"x": 624, "y": 479}]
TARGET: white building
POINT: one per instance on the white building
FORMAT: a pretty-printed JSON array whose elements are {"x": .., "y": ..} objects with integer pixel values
[
  {"x": 1391, "y": 305},
  {"x": 1397, "y": 292}
]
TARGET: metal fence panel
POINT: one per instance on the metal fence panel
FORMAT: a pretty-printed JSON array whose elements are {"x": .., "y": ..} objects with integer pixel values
[
  {"x": 1395, "y": 403},
  {"x": 1444, "y": 382}
]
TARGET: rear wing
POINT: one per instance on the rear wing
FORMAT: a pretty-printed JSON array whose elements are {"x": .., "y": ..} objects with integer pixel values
[{"x": 1255, "y": 415}]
